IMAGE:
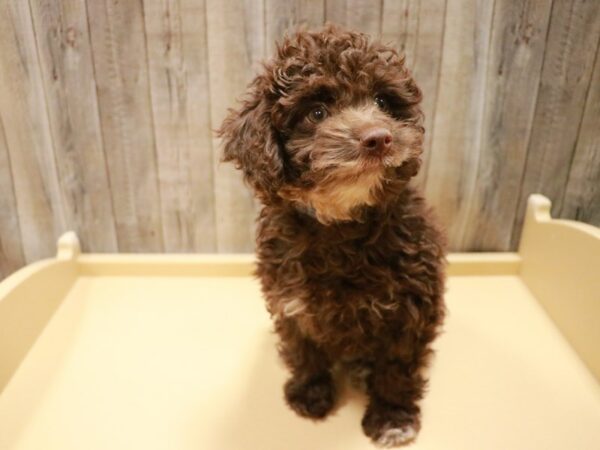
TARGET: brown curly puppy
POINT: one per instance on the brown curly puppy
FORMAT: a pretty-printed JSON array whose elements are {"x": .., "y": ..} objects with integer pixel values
[{"x": 350, "y": 261}]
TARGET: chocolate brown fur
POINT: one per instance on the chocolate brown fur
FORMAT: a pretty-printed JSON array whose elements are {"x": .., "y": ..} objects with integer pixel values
[{"x": 351, "y": 261}]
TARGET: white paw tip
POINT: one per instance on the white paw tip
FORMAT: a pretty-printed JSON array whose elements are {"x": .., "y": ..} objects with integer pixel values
[{"x": 393, "y": 437}]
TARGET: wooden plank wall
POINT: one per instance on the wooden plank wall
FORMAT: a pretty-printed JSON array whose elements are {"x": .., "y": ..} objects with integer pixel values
[{"x": 107, "y": 110}]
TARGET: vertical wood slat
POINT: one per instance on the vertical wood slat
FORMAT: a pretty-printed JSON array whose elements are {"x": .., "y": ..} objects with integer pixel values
[
  {"x": 476, "y": 168},
  {"x": 232, "y": 55},
  {"x": 582, "y": 193},
  {"x": 360, "y": 15},
  {"x": 517, "y": 45},
  {"x": 365, "y": 16},
  {"x": 23, "y": 112},
  {"x": 456, "y": 141},
  {"x": 568, "y": 62},
  {"x": 178, "y": 63},
  {"x": 63, "y": 44},
  {"x": 416, "y": 29},
  {"x": 310, "y": 12},
  {"x": 120, "y": 63},
  {"x": 335, "y": 11},
  {"x": 254, "y": 35},
  {"x": 11, "y": 248},
  {"x": 282, "y": 16},
  {"x": 400, "y": 25}
]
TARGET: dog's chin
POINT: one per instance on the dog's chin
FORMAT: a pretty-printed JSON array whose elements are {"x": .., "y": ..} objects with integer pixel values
[
  {"x": 392, "y": 165},
  {"x": 385, "y": 164},
  {"x": 339, "y": 191},
  {"x": 344, "y": 190},
  {"x": 380, "y": 162}
]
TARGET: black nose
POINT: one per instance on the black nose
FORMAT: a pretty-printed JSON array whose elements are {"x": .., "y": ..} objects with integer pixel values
[{"x": 376, "y": 139}]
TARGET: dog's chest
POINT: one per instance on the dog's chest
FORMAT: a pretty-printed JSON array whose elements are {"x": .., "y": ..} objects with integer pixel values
[
  {"x": 347, "y": 287},
  {"x": 345, "y": 298},
  {"x": 347, "y": 327}
]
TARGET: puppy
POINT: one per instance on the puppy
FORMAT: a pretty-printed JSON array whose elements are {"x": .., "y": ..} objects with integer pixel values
[{"x": 351, "y": 262}]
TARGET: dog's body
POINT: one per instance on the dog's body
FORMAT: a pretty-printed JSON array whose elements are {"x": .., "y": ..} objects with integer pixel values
[{"x": 351, "y": 263}]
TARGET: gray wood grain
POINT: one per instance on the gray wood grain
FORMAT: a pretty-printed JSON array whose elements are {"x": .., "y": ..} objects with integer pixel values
[
  {"x": 400, "y": 25},
  {"x": 121, "y": 69},
  {"x": 310, "y": 13},
  {"x": 65, "y": 58},
  {"x": 287, "y": 16},
  {"x": 335, "y": 11},
  {"x": 11, "y": 248},
  {"x": 233, "y": 52},
  {"x": 456, "y": 141},
  {"x": 107, "y": 110},
  {"x": 416, "y": 28},
  {"x": 24, "y": 113},
  {"x": 359, "y": 15},
  {"x": 178, "y": 63},
  {"x": 365, "y": 16},
  {"x": 517, "y": 45},
  {"x": 582, "y": 194},
  {"x": 566, "y": 73}
]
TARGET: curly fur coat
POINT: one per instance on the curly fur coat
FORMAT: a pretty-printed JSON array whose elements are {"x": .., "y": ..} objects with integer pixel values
[{"x": 350, "y": 260}]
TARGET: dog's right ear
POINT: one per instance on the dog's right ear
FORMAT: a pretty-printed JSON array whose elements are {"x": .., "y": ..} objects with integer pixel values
[{"x": 250, "y": 141}]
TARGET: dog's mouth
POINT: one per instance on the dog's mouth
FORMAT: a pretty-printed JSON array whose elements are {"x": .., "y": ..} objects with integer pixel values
[
  {"x": 336, "y": 191},
  {"x": 381, "y": 160}
]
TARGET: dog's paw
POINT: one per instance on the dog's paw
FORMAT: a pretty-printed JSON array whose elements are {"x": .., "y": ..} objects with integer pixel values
[
  {"x": 313, "y": 398},
  {"x": 394, "y": 437},
  {"x": 389, "y": 426}
]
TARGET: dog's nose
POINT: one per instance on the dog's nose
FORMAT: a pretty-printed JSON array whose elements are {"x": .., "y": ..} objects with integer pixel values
[{"x": 376, "y": 139}]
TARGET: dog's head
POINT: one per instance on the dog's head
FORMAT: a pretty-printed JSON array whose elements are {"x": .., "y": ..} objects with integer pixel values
[{"x": 329, "y": 124}]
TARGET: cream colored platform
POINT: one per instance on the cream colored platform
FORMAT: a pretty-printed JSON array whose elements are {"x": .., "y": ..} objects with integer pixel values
[{"x": 175, "y": 352}]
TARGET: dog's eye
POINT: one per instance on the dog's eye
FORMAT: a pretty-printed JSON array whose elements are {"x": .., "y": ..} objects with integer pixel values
[
  {"x": 317, "y": 114},
  {"x": 382, "y": 102}
]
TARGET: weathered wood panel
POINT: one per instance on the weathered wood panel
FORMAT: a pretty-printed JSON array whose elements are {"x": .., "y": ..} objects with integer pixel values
[
  {"x": 286, "y": 16},
  {"x": 310, "y": 13},
  {"x": 11, "y": 248},
  {"x": 456, "y": 142},
  {"x": 365, "y": 16},
  {"x": 108, "y": 109},
  {"x": 517, "y": 45},
  {"x": 120, "y": 62},
  {"x": 335, "y": 11},
  {"x": 27, "y": 133},
  {"x": 416, "y": 29},
  {"x": 582, "y": 194},
  {"x": 361, "y": 15},
  {"x": 233, "y": 50},
  {"x": 567, "y": 68},
  {"x": 64, "y": 51},
  {"x": 400, "y": 25},
  {"x": 178, "y": 62}
]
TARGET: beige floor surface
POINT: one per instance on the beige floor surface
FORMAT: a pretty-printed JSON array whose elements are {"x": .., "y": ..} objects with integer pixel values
[{"x": 189, "y": 363}]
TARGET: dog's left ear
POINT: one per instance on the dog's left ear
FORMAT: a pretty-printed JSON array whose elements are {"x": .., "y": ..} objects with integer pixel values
[{"x": 250, "y": 141}]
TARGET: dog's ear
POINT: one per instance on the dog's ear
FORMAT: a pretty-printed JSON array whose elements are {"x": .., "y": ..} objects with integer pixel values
[{"x": 250, "y": 142}]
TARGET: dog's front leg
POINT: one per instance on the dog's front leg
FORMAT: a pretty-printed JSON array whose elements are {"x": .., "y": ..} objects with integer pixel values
[
  {"x": 393, "y": 414},
  {"x": 310, "y": 391}
]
